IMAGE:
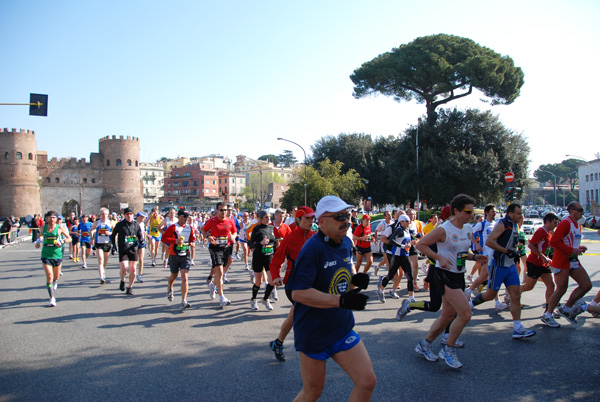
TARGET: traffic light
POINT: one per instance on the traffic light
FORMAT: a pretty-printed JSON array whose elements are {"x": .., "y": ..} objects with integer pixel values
[
  {"x": 518, "y": 193},
  {"x": 38, "y": 105},
  {"x": 508, "y": 192}
]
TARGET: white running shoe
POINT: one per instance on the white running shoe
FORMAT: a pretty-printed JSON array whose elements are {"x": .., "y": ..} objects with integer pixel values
[
  {"x": 468, "y": 293},
  {"x": 267, "y": 304},
  {"x": 457, "y": 344},
  {"x": 185, "y": 305},
  {"x": 376, "y": 270},
  {"x": 253, "y": 304},
  {"x": 139, "y": 278},
  {"x": 192, "y": 262},
  {"x": 246, "y": 267},
  {"x": 213, "y": 290},
  {"x": 448, "y": 354},
  {"x": 551, "y": 322},
  {"x": 274, "y": 296},
  {"x": 52, "y": 302},
  {"x": 224, "y": 302},
  {"x": 426, "y": 352},
  {"x": 55, "y": 285},
  {"x": 501, "y": 306},
  {"x": 237, "y": 256}
]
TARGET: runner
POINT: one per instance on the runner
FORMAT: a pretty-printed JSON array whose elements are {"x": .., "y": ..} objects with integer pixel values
[
  {"x": 141, "y": 217},
  {"x": 262, "y": 242},
  {"x": 453, "y": 239},
  {"x": 153, "y": 223},
  {"x": 165, "y": 223},
  {"x": 220, "y": 232},
  {"x": 129, "y": 236},
  {"x": 362, "y": 237},
  {"x": 387, "y": 221},
  {"x": 504, "y": 240},
  {"x": 287, "y": 252},
  {"x": 75, "y": 238},
  {"x": 179, "y": 236},
  {"x": 85, "y": 228},
  {"x": 243, "y": 239},
  {"x": 102, "y": 227},
  {"x": 54, "y": 236}
]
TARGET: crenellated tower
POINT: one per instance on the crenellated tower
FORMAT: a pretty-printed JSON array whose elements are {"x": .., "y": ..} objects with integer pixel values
[
  {"x": 19, "y": 186},
  {"x": 121, "y": 172}
]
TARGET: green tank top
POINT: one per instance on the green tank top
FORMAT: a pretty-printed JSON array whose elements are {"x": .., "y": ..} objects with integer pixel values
[{"x": 49, "y": 250}]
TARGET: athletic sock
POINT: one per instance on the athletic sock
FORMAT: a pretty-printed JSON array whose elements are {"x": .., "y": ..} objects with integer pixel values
[
  {"x": 517, "y": 324},
  {"x": 278, "y": 342},
  {"x": 268, "y": 291},
  {"x": 477, "y": 300},
  {"x": 255, "y": 290},
  {"x": 50, "y": 290}
]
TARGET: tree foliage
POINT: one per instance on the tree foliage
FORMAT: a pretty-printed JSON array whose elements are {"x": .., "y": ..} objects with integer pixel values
[
  {"x": 463, "y": 152},
  {"x": 327, "y": 178},
  {"x": 254, "y": 191},
  {"x": 287, "y": 158},
  {"x": 274, "y": 159},
  {"x": 566, "y": 172},
  {"x": 437, "y": 69}
]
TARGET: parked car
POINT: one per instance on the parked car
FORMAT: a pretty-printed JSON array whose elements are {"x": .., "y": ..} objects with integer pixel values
[{"x": 531, "y": 225}]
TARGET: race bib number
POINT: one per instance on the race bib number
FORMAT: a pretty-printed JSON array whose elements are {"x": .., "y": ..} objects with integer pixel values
[
  {"x": 461, "y": 260},
  {"x": 267, "y": 249},
  {"x": 49, "y": 241},
  {"x": 85, "y": 234},
  {"x": 182, "y": 249},
  {"x": 222, "y": 241},
  {"x": 130, "y": 239}
]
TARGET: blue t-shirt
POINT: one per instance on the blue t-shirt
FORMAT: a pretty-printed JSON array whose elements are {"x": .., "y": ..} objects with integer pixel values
[
  {"x": 326, "y": 268},
  {"x": 85, "y": 229}
]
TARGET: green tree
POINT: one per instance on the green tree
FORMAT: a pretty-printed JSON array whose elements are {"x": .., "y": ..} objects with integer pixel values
[
  {"x": 437, "y": 69},
  {"x": 464, "y": 152},
  {"x": 565, "y": 171},
  {"x": 274, "y": 159},
  {"x": 254, "y": 191},
  {"x": 326, "y": 179},
  {"x": 287, "y": 158}
]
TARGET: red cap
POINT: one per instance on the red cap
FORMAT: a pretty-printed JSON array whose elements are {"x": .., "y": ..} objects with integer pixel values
[
  {"x": 365, "y": 216},
  {"x": 304, "y": 211},
  {"x": 445, "y": 214}
]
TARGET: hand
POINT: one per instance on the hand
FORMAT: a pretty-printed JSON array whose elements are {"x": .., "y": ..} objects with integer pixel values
[
  {"x": 352, "y": 300},
  {"x": 361, "y": 280},
  {"x": 212, "y": 240},
  {"x": 482, "y": 259},
  {"x": 443, "y": 261},
  {"x": 264, "y": 241},
  {"x": 511, "y": 254},
  {"x": 278, "y": 282},
  {"x": 37, "y": 245}
]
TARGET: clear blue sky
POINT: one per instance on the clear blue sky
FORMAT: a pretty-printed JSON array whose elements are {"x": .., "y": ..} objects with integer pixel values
[{"x": 191, "y": 78}]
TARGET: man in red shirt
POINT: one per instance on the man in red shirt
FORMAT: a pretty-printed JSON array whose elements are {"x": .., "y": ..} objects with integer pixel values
[
  {"x": 280, "y": 230},
  {"x": 363, "y": 238},
  {"x": 220, "y": 233},
  {"x": 288, "y": 250},
  {"x": 179, "y": 237},
  {"x": 538, "y": 262},
  {"x": 565, "y": 263}
]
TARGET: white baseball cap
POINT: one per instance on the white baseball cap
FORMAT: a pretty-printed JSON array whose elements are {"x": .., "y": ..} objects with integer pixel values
[{"x": 331, "y": 203}]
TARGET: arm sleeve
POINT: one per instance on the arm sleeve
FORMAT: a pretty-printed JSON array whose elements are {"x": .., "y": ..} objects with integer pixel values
[{"x": 278, "y": 260}]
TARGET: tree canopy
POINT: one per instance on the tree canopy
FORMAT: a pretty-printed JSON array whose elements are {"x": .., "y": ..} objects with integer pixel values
[
  {"x": 287, "y": 158},
  {"x": 437, "y": 69},
  {"x": 328, "y": 178},
  {"x": 566, "y": 172},
  {"x": 274, "y": 159}
]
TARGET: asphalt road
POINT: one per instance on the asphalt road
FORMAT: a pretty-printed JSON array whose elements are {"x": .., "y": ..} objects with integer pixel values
[{"x": 99, "y": 344}]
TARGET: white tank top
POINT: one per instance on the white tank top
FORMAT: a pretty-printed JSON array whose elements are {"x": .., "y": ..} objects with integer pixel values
[{"x": 456, "y": 246}]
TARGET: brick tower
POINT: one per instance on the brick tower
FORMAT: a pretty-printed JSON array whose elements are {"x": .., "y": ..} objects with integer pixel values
[
  {"x": 121, "y": 176},
  {"x": 19, "y": 187}
]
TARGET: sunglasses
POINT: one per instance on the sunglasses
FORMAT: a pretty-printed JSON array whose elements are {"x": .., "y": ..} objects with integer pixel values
[
  {"x": 339, "y": 217},
  {"x": 578, "y": 209},
  {"x": 468, "y": 211},
  {"x": 222, "y": 210}
]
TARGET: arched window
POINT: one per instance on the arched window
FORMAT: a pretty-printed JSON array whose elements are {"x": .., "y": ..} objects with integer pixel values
[
  {"x": 6, "y": 155},
  {"x": 136, "y": 163},
  {"x": 47, "y": 180},
  {"x": 118, "y": 163},
  {"x": 30, "y": 156},
  {"x": 84, "y": 180},
  {"x": 57, "y": 180},
  {"x": 19, "y": 155},
  {"x": 93, "y": 180},
  {"x": 107, "y": 162},
  {"x": 128, "y": 162}
]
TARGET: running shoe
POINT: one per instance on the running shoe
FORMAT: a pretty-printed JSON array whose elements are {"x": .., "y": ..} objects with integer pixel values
[
  {"x": 550, "y": 321},
  {"x": 122, "y": 286},
  {"x": 165, "y": 264},
  {"x": 246, "y": 267},
  {"x": 153, "y": 262},
  {"x": 237, "y": 256},
  {"x": 213, "y": 290},
  {"x": 70, "y": 257},
  {"x": 403, "y": 310},
  {"x": 129, "y": 292},
  {"x": 416, "y": 287},
  {"x": 448, "y": 354},
  {"x": 54, "y": 285},
  {"x": 393, "y": 294},
  {"x": 185, "y": 305},
  {"x": 521, "y": 332},
  {"x": 457, "y": 344},
  {"x": 575, "y": 310},
  {"x": 84, "y": 266},
  {"x": 224, "y": 302},
  {"x": 102, "y": 281},
  {"x": 411, "y": 299},
  {"x": 225, "y": 280},
  {"x": 468, "y": 293},
  {"x": 170, "y": 294},
  {"x": 274, "y": 296},
  {"x": 192, "y": 262},
  {"x": 569, "y": 316},
  {"x": 267, "y": 304},
  {"x": 469, "y": 279},
  {"x": 253, "y": 304},
  {"x": 426, "y": 352},
  {"x": 380, "y": 290},
  {"x": 278, "y": 350},
  {"x": 139, "y": 278},
  {"x": 501, "y": 306},
  {"x": 426, "y": 285},
  {"x": 376, "y": 270},
  {"x": 52, "y": 302}
]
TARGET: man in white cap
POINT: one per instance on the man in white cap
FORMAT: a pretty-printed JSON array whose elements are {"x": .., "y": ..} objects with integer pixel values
[{"x": 320, "y": 286}]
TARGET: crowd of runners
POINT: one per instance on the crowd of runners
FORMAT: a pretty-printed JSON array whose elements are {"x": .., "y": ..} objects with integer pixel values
[{"x": 285, "y": 250}]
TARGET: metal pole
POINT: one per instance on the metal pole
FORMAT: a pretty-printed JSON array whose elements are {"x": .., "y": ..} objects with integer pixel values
[
  {"x": 305, "y": 164},
  {"x": 417, "y": 149},
  {"x": 555, "y": 199}
]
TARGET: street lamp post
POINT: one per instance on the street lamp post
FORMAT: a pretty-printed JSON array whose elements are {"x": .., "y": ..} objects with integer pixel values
[
  {"x": 545, "y": 171},
  {"x": 305, "y": 164},
  {"x": 417, "y": 149}
]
